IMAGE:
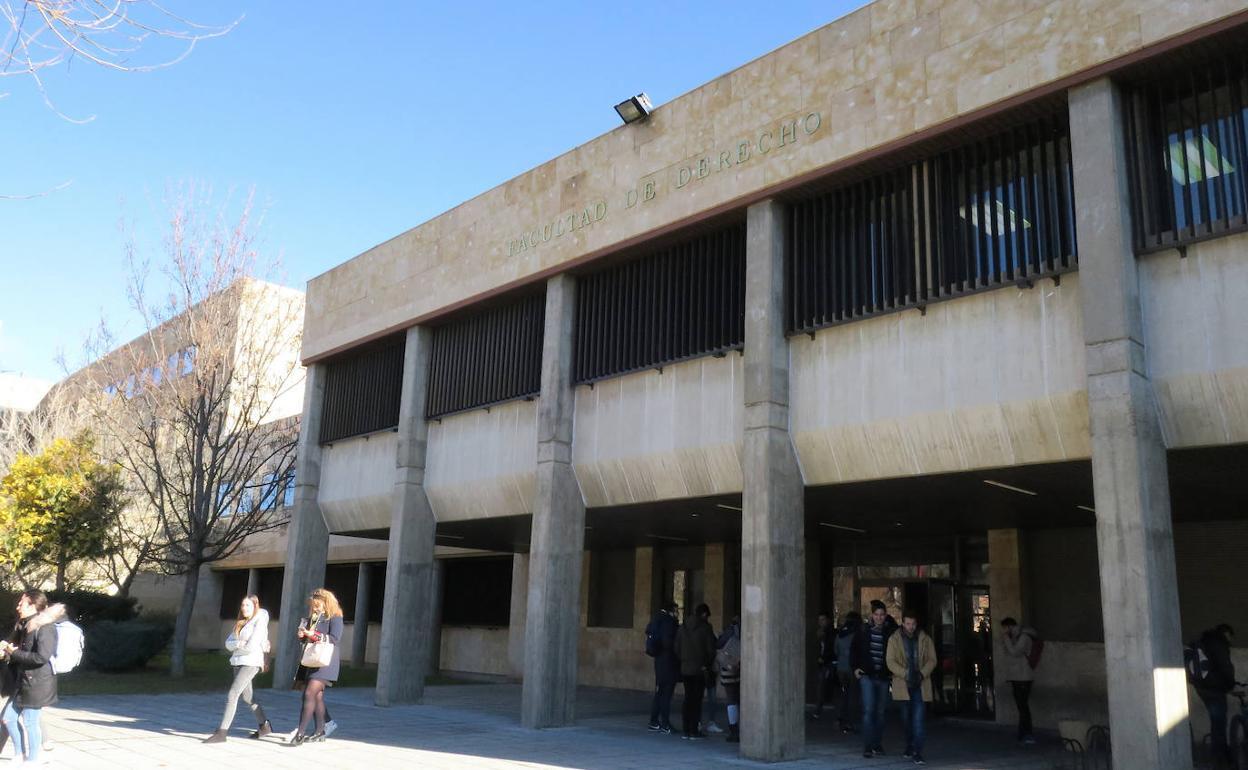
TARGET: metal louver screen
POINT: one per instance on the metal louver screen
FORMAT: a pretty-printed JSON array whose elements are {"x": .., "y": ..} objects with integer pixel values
[
  {"x": 680, "y": 302},
  {"x": 990, "y": 213},
  {"x": 490, "y": 357},
  {"x": 363, "y": 391},
  {"x": 1187, "y": 139}
]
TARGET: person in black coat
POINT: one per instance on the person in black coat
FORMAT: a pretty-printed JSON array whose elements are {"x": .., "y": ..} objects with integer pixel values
[
  {"x": 666, "y": 668},
  {"x": 29, "y": 683},
  {"x": 1217, "y": 684}
]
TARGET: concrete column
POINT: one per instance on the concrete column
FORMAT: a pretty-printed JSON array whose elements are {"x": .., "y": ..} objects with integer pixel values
[
  {"x": 435, "y": 643},
  {"x": 1139, "y": 591},
  {"x": 556, "y": 547},
  {"x": 359, "y": 633},
  {"x": 713, "y": 583},
  {"x": 1005, "y": 592},
  {"x": 253, "y": 582},
  {"x": 643, "y": 577},
  {"x": 519, "y": 609},
  {"x": 307, "y": 536},
  {"x": 772, "y": 526},
  {"x": 410, "y": 598}
]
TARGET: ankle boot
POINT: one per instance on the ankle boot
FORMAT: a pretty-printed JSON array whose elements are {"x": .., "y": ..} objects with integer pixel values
[
  {"x": 217, "y": 737},
  {"x": 265, "y": 728},
  {"x": 734, "y": 734}
]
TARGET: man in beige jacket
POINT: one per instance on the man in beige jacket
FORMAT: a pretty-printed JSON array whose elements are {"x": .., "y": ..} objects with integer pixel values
[{"x": 911, "y": 659}]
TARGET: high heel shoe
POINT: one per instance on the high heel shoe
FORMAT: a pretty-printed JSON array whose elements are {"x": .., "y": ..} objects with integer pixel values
[
  {"x": 317, "y": 737},
  {"x": 297, "y": 739}
]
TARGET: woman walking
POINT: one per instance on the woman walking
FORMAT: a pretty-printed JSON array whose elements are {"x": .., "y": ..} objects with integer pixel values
[
  {"x": 247, "y": 643},
  {"x": 319, "y": 667},
  {"x": 29, "y": 682}
]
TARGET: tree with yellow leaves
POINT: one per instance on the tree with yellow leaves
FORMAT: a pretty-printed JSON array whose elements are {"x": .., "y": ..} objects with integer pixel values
[{"x": 56, "y": 508}]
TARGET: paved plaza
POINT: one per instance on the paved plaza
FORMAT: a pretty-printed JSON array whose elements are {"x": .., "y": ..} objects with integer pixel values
[{"x": 463, "y": 726}]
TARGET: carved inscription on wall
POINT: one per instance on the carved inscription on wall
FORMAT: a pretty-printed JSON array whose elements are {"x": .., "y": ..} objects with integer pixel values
[{"x": 766, "y": 143}]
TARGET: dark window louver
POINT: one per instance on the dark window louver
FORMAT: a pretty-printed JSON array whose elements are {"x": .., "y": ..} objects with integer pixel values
[
  {"x": 994, "y": 212},
  {"x": 491, "y": 357},
  {"x": 1187, "y": 143},
  {"x": 681, "y": 302},
  {"x": 363, "y": 392}
]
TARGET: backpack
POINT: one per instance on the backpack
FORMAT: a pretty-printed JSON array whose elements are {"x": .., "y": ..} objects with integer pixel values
[
  {"x": 69, "y": 646},
  {"x": 1196, "y": 663},
  {"x": 653, "y": 648},
  {"x": 728, "y": 659},
  {"x": 1037, "y": 649}
]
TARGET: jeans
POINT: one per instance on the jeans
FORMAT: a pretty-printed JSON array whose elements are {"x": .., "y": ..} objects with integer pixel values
[
  {"x": 823, "y": 686},
  {"x": 1216, "y": 704},
  {"x": 25, "y": 744},
  {"x": 661, "y": 707},
  {"x": 691, "y": 709},
  {"x": 912, "y": 716},
  {"x": 1022, "y": 693},
  {"x": 241, "y": 688},
  {"x": 848, "y": 709},
  {"x": 875, "y": 700}
]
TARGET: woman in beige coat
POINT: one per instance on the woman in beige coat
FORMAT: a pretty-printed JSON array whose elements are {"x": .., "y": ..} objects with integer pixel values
[{"x": 911, "y": 659}]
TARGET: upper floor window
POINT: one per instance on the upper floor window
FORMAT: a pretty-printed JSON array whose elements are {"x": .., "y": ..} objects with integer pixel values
[
  {"x": 363, "y": 389},
  {"x": 491, "y": 356},
  {"x": 991, "y": 212},
  {"x": 1187, "y": 144}
]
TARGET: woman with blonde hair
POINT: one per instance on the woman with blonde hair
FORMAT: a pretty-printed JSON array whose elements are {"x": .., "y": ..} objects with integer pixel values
[
  {"x": 247, "y": 643},
  {"x": 318, "y": 668}
]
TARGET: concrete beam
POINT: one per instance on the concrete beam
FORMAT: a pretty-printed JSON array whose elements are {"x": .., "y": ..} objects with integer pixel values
[
  {"x": 307, "y": 536},
  {"x": 552, "y": 624},
  {"x": 1139, "y": 592},
  {"x": 407, "y": 638},
  {"x": 359, "y": 632},
  {"x": 772, "y": 517}
]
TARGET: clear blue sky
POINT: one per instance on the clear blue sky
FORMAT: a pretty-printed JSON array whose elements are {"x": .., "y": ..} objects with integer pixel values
[{"x": 350, "y": 127}]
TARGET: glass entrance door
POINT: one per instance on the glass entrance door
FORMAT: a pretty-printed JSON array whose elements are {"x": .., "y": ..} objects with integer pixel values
[{"x": 958, "y": 619}]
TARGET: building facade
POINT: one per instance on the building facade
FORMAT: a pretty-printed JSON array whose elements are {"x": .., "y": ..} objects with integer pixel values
[{"x": 942, "y": 303}]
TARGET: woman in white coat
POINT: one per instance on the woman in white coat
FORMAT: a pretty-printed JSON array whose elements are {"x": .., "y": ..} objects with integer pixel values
[{"x": 247, "y": 643}]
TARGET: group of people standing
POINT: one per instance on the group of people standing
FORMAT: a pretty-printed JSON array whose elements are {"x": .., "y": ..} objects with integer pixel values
[
  {"x": 692, "y": 655},
  {"x": 872, "y": 663},
  {"x": 248, "y": 644}
]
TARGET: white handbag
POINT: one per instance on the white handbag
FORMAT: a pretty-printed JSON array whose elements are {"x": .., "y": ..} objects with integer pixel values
[{"x": 317, "y": 654}]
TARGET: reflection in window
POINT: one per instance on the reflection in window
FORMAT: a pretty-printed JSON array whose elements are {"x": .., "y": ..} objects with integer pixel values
[{"x": 1187, "y": 141}]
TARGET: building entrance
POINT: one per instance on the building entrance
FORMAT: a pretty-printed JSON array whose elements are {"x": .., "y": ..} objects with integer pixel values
[
  {"x": 958, "y": 618},
  {"x": 944, "y": 581}
]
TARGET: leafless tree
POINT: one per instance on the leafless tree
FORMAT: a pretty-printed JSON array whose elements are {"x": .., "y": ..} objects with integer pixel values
[
  {"x": 197, "y": 409},
  {"x": 121, "y": 35},
  {"x": 124, "y": 35}
]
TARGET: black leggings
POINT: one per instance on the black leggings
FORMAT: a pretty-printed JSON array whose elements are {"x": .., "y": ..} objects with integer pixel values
[
  {"x": 1022, "y": 694},
  {"x": 313, "y": 706}
]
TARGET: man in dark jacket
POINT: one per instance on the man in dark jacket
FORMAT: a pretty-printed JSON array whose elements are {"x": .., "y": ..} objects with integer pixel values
[
  {"x": 28, "y": 681},
  {"x": 1216, "y": 684},
  {"x": 666, "y": 668},
  {"x": 848, "y": 710},
  {"x": 867, "y": 661},
  {"x": 695, "y": 644}
]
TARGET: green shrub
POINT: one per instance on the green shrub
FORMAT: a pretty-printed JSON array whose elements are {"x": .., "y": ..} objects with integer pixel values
[
  {"x": 89, "y": 607},
  {"x": 113, "y": 645}
]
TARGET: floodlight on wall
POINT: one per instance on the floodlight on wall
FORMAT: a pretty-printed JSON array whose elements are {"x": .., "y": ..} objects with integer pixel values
[{"x": 634, "y": 109}]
